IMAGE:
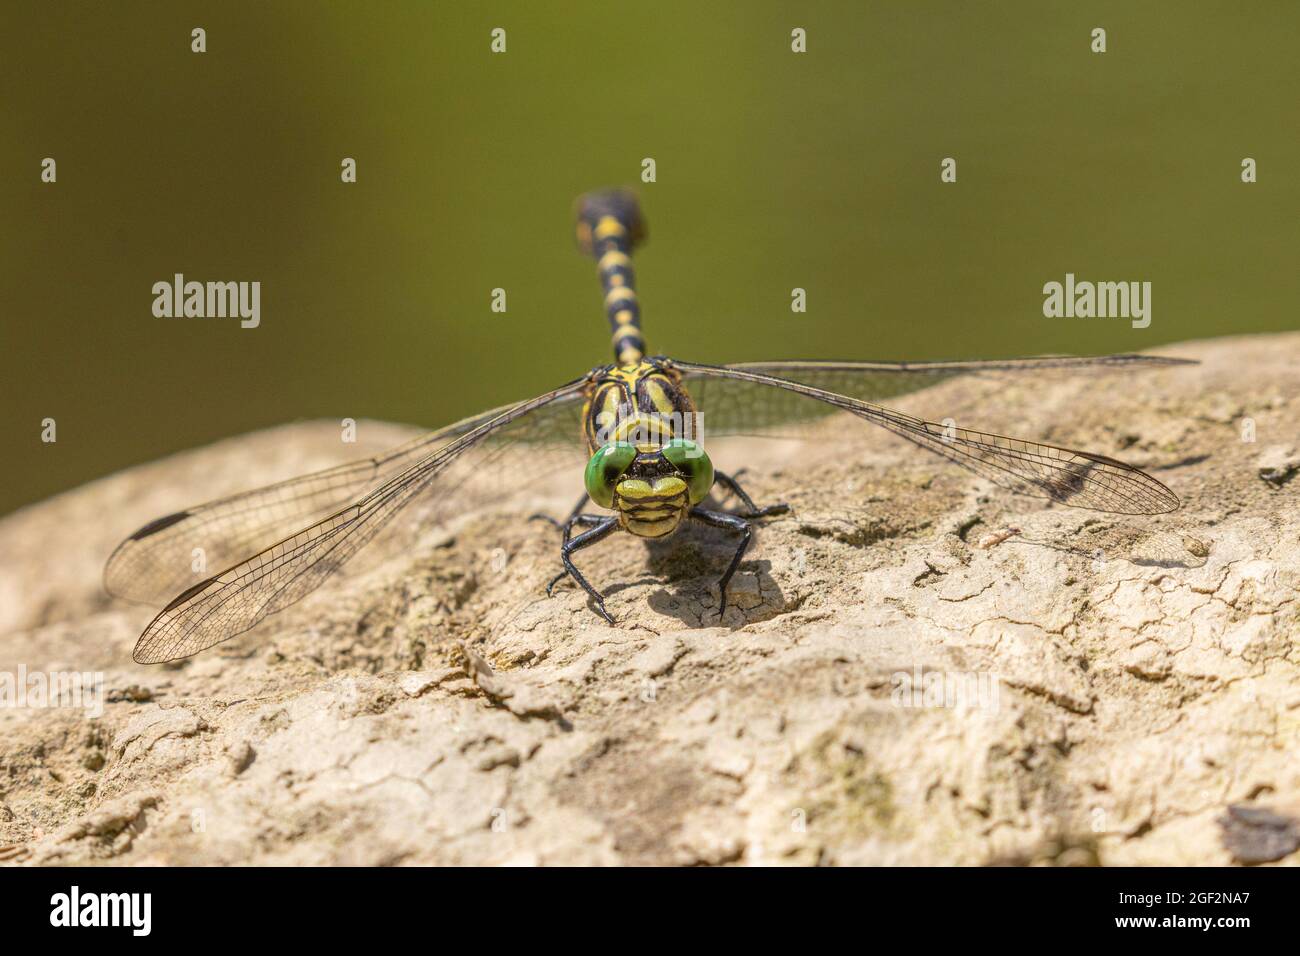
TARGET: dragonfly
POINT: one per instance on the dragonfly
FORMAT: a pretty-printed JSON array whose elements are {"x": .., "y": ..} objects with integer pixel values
[{"x": 634, "y": 429}]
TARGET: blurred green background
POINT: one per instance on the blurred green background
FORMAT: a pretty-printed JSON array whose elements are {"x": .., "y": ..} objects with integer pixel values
[{"x": 774, "y": 170}]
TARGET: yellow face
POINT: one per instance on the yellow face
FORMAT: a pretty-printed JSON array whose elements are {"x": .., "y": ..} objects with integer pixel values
[{"x": 651, "y": 508}]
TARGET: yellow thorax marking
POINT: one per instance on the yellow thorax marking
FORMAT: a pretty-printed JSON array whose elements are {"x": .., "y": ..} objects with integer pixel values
[
  {"x": 631, "y": 373},
  {"x": 658, "y": 397}
]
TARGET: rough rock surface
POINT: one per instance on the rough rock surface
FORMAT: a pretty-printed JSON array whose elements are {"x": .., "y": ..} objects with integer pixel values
[{"x": 1123, "y": 690}]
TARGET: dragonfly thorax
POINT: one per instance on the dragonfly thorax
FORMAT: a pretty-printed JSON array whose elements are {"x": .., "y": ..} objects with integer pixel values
[{"x": 644, "y": 404}]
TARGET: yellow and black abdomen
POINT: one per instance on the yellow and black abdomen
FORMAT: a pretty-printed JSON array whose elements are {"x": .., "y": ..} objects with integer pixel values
[{"x": 609, "y": 226}]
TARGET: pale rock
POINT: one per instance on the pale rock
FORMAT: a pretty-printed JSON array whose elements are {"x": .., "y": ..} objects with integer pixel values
[{"x": 426, "y": 707}]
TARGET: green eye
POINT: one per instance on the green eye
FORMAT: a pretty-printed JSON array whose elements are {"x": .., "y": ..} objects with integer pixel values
[
  {"x": 604, "y": 469},
  {"x": 690, "y": 459}
]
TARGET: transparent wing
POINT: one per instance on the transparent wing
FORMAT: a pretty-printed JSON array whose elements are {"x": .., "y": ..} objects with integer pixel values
[
  {"x": 1077, "y": 478},
  {"x": 155, "y": 562},
  {"x": 743, "y": 407},
  {"x": 457, "y": 468}
]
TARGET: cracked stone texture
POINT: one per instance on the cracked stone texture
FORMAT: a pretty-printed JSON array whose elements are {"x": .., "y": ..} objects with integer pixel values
[{"x": 1131, "y": 684}]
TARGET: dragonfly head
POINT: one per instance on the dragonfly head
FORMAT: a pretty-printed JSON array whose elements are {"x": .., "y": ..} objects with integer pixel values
[{"x": 651, "y": 488}]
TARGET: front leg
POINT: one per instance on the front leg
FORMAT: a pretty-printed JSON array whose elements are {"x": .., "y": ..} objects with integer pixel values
[
  {"x": 574, "y": 520},
  {"x": 720, "y": 519},
  {"x": 752, "y": 511},
  {"x": 603, "y": 528}
]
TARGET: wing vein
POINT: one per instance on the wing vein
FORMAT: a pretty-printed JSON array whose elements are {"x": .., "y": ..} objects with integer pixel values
[
  {"x": 277, "y": 576},
  {"x": 1080, "y": 479}
]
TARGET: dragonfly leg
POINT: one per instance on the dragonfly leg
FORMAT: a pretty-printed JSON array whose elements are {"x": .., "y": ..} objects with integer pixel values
[
  {"x": 601, "y": 530},
  {"x": 574, "y": 520},
  {"x": 720, "y": 519},
  {"x": 561, "y": 525},
  {"x": 752, "y": 510},
  {"x": 579, "y": 519}
]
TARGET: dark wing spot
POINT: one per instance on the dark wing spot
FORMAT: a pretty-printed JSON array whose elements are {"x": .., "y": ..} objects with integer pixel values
[
  {"x": 153, "y": 527},
  {"x": 187, "y": 594}
]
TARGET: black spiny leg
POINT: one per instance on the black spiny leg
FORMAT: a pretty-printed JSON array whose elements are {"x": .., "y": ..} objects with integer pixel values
[
  {"x": 752, "y": 511},
  {"x": 720, "y": 519},
  {"x": 603, "y": 526},
  {"x": 575, "y": 519}
]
